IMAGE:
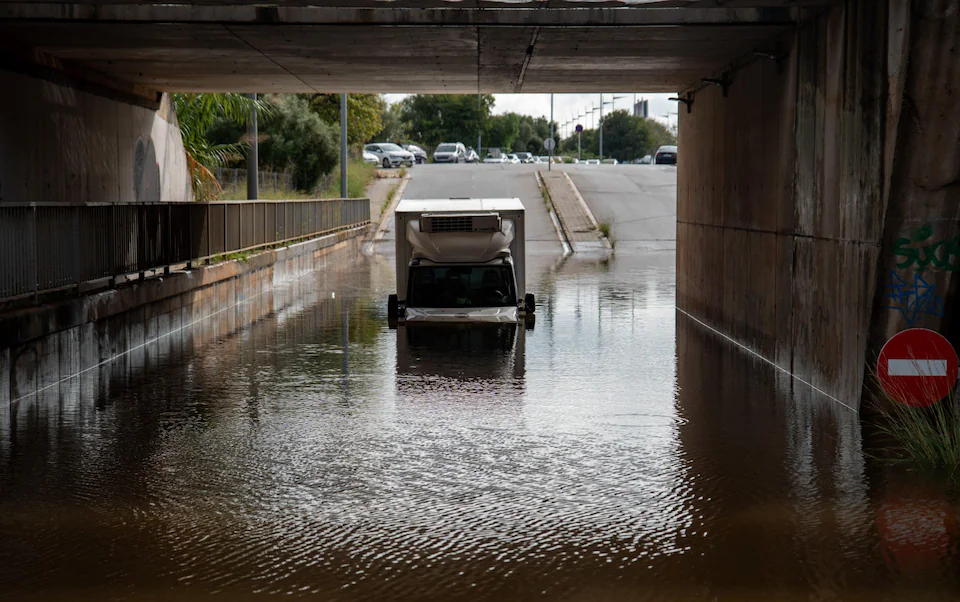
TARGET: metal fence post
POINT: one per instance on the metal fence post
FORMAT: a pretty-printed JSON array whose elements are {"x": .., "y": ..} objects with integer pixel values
[
  {"x": 76, "y": 246},
  {"x": 142, "y": 239},
  {"x": 190, "y": 252},
  {"x": 36, "y": 257},
  {"x": 168, "y": 253}
]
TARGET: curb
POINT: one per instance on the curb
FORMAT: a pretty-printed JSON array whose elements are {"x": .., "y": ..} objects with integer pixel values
[
  {"x": 385, "y": 218},
  {"x": 554, "y": 218},
  {"x": 586, "y": 209}
]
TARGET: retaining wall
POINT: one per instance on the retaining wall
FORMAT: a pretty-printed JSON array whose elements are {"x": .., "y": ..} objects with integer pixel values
[{"x": 43, "y": 347}]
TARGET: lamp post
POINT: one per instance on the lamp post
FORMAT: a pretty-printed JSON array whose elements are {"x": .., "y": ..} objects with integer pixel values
[
  {"x": 343, "y": 146},
  {"x": 253, "y": 160}
]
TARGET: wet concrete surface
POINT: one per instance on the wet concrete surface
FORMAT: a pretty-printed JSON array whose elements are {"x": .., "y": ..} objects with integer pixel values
[{"x": 616, "y": 451}]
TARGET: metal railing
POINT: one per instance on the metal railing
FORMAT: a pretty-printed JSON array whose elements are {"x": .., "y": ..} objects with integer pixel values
[{"x": 46, "y": 247}]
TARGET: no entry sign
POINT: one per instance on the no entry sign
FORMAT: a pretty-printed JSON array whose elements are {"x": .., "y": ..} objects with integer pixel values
[{"x": 917, "y": 367}]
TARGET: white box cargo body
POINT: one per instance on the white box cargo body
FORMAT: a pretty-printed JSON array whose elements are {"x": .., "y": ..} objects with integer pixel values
[{"x": 459, "y": 232}]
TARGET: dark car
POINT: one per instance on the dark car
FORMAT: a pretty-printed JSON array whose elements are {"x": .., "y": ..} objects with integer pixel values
[
  {"x": 419, "y": 155},
  {"x": 666, "y": 155}
]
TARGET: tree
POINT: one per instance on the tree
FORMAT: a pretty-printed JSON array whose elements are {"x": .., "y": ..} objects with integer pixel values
[
  {"x": 198, "y": 114},
  {"x": 437, "y": 118},
  {"x": 625, "y": 138},
  {"x": 395, "y": 128},
  {"x": 297, "y": 138},
  {"x": 364, "y": 114},
  {"x": 501, "y": 131}
]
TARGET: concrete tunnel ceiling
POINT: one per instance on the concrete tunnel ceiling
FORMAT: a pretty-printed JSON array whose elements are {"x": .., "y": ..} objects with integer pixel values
[{"x": 426, "y": 46}]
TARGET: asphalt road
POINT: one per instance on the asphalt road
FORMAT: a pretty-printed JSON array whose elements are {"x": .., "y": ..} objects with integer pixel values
[{"x": 639, "y": 201}]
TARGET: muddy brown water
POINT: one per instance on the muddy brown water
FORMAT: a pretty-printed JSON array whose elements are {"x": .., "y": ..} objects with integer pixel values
[{"x": 616, "y": 451}]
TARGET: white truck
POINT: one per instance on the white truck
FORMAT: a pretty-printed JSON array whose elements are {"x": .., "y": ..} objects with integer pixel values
[{"x": 460, "y": 260}]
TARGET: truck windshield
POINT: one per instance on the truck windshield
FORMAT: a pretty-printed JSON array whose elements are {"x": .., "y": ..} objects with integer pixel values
[{"x": 461, "y": 286}]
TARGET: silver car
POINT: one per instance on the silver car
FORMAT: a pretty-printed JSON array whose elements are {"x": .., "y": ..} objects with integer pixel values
[
  {"x": 389, "y": 154},
  {"x": 450, "y": 152}
]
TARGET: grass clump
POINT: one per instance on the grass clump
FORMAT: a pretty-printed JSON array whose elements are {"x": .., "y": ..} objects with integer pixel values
[
  {"x": 928, "y": 437},
  {"x": 607, "y": 230},
  {"x": 545, "y": 194},
  {"x": 241, "y": 256},
  {"x": 392, "y": 193},
  {"x": 359, "y": 175}
]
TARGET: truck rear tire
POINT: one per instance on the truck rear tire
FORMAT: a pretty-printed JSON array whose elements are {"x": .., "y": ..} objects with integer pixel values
[
  {"x": 529, "y": 304},
  {"x": 393, "y": 307}
]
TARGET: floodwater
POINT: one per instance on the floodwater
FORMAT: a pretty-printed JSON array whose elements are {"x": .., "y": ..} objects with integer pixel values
[{"x": 617, "y": 451}]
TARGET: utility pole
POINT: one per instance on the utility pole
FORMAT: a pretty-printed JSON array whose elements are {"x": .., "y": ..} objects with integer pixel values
[
  {"x": 343, "y": 146},
  {"x": 600, "y": 125},
  {"x": 550, "y": 164},
  {"x": 253, "y": 153},
  {"x": 479, "y": 127}
]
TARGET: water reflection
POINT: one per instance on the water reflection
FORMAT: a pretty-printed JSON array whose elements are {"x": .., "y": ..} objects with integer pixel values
[{"x": 618, "y": 451}]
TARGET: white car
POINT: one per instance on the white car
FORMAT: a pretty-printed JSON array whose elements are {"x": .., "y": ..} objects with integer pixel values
[
  {"x": 513, "y": 158},
  {"x": 370, "y": 158},
  {"x": 498, "y": 159},
  {"x": 591, "y": 161},
  {"x": 389, "y": 154}
]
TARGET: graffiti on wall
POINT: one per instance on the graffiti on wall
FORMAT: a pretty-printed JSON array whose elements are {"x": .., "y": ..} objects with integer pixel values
[
  {"x": 921, "y": 253},
  {"x": 913, "y": 300}
]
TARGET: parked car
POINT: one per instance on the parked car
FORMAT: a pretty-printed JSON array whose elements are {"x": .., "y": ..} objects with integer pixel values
[
  {"x": 471, "y": 156},
  {"x": 610, "y": 162},
  {"x": 495, "y": 158},
  {"x": 419, "y": 155},
  {"x": 389, "y": 154},
  {"x": 513, "y": 158},
  {"x": 535, "y": 159},
  {"x": 591, "y": 161},
  {"x": 646, "y": 160},
  {"x": 525, "y": 157},
  {"x": 371, "y": 158},
  {"x": 450, "y": 152},
  {"x": 666, "y": 155}
]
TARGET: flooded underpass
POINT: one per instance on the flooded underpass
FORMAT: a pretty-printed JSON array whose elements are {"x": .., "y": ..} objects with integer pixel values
[{"x": 616, "y": 450}]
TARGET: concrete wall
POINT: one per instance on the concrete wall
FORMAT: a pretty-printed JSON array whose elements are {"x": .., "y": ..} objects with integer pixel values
[
  {"x": 43, "y": 348},
  {"x": 917, "y": 284},
  {"x": 61, "y": 144},
  {"x": 780, "y": 210}
]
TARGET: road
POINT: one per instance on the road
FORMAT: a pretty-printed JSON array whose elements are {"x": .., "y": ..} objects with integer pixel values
[
  {"x": 617, "y": 451},
  {"x": 488, "y": 181},
  {"x": 639, "y": 201}
]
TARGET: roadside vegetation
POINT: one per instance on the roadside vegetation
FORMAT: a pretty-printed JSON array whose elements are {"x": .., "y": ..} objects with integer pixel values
[
  {"x": 299, "y": 134},
  {"x": 927, "y": 437}
]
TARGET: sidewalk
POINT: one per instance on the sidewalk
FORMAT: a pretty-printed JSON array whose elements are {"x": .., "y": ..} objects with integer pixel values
[{"x": 578, "y": 224}]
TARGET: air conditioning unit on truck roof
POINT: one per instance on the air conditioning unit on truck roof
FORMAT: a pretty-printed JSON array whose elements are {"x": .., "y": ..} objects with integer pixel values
[{"x": 460, "y": 260}]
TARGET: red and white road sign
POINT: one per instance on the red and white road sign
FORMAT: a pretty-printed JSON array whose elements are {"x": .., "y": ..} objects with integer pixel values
[{"x": 917, "y": 367}]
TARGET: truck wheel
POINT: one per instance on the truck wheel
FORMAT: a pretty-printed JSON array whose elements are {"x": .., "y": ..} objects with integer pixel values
[
  {"x": 393, "y": 307},
  {"x": 529, "y": 304}
]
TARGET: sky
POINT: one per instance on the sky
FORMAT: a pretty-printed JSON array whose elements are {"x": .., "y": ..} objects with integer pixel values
[{"x": 569, "y": 106}]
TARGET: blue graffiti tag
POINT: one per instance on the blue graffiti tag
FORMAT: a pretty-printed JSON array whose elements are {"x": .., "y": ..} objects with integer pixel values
[{"x": 913, "y": 301}]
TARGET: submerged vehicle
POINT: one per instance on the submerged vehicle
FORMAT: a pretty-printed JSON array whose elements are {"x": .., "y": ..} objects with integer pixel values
[{"x": 460, "y": 260}]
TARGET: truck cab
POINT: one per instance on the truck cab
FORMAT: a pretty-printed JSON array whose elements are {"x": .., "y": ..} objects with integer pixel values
[{"x": 460, "y": 260}]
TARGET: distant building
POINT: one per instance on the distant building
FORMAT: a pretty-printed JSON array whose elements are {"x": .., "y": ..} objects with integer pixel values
[{"x": 641, "y": 109}]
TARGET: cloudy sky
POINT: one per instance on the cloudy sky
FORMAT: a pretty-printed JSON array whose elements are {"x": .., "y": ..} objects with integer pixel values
[{"x": 569, "y": 106}]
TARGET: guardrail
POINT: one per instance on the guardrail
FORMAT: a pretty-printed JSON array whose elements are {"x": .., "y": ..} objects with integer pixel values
[{"x": 46, "y": 247}]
